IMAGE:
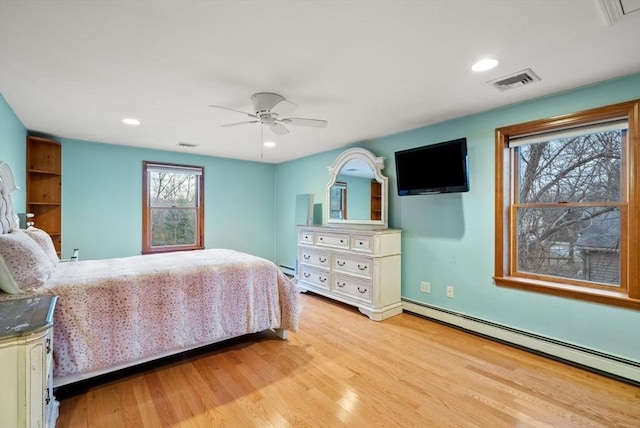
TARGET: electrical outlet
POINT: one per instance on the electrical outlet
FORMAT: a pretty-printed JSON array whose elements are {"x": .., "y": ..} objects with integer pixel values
[
  {"x": 425, "y": 287},
  {"x": 450, "y": 291}
]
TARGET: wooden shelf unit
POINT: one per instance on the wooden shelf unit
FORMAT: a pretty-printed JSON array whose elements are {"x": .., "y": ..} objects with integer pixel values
[
  {"x": 376, "y": 200},
  {"x": 44, "y": 186}
]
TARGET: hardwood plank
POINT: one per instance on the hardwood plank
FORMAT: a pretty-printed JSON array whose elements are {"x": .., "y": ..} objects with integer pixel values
[{"x": 343, "y": 370}]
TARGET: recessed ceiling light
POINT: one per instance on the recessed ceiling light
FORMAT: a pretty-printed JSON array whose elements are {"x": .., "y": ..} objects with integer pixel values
[
  {"x": 130, "y": 121},
  {"x": 269, "y": 144},
  {"x": 485, "y": 64}
]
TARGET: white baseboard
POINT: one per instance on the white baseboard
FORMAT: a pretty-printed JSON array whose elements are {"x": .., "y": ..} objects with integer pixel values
[{"x": 619, "y": 367}]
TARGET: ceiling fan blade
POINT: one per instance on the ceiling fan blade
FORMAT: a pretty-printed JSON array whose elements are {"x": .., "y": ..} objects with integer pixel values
[
  {"x": 278, "y": 129},
  {"x": 284, "y": 107},
  {"x": 240, "y": 123},
  {"x": 315, "y": 123},
  {"x": 237, "y": 111}
]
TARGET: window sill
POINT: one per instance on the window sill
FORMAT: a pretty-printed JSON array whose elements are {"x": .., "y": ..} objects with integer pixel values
[
  {"x": 607, "y": 297},
  {"x": 170, "y": 250}
]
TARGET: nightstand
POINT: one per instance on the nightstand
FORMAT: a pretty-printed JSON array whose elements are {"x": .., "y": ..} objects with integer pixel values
[{"x": 26, "y": 358}]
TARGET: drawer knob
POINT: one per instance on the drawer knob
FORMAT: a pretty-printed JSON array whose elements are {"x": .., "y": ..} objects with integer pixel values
[
  {"x": 342, "y": 241},
  {"x": 361, "y": 243},
  {"x": 307, "y": 275},
  {"x": 362, "y": 267},
  {"x": 340, "y": 263},
  {"x": 340, "y": 284},
  {"x": 322, "y": 259},
  {"x": 48, "y": 345},
  {"x": 306, "y": 256},
  {"x": 322, "y": 279},
  {"x": 362, "y": 290}
]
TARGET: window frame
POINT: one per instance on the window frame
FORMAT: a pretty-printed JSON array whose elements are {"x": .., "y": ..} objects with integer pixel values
[
  {"x": 628, "y": 294},
  {"x": 146, "y": 211},
  {"x": 343, "y": 201}
]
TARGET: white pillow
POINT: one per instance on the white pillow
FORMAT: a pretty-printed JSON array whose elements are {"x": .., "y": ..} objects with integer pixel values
[
  {"x": 7, "y": 283},
  {"x": 25, "y": 260},
  {"x": 45, "y": 242}
]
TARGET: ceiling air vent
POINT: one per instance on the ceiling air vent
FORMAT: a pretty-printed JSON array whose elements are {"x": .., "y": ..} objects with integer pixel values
[{"x": 515, "y": 80}]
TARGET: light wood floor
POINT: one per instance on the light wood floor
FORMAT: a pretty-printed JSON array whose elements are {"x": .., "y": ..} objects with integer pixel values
[{"x": 342, "y": 369}]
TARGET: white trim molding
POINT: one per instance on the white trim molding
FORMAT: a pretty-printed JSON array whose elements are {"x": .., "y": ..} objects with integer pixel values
[{"x": 613, "y": 10}]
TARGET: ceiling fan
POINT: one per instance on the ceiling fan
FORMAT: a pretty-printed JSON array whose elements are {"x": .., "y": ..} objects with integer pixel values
[{"x": 268, "y": 109}]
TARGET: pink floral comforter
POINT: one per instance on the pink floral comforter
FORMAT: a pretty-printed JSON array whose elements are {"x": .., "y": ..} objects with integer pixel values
[{"x": 116, "y": 311}]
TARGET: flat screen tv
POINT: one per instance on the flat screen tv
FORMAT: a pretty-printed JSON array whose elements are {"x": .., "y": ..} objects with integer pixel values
[{"x": 436, "y": 168}]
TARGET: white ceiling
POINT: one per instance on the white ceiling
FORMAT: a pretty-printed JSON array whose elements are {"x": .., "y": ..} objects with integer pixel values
[{"x": 74, "y": 69}]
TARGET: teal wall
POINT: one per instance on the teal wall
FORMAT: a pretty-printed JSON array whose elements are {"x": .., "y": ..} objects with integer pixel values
[
  {"x": 13, "y": 149},
  {"x": 358, "y": 196},
  {"x": 102, "y": 200},
  {"x": 448, "y": 239},
  {"x": 306, "y": 175},
  {"x": 102, "y": 195}
]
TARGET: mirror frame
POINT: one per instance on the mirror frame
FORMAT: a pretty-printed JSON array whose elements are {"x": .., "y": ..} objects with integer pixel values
[{"x": 377, "y": 165}]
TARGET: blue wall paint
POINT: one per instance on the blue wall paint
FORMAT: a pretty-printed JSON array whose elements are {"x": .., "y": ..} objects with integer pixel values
[
  {"x": 102, "y": 200},
  {"x": 448, "y": 239},
  {"x": 306, "y": 175},
  {"x": 13, "y": 150},
  {"x": 358, "y": 196}
]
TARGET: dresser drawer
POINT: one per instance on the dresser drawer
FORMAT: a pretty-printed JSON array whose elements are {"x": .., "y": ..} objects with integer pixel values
[
  {"x": 305, "y": 237},
  {"x": 352, "y": 287},
  {"x": 335, "y": 240},
  {"x": 360, "y": 266},
  {"x": 314, "y": 257},
  {"x": 314, "y": 277},
  {"x": 362, "y": 243}
]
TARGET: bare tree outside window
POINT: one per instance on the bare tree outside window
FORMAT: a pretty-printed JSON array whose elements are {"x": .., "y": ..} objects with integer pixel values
[
  {"x": 567, "y": 205},
  {"x": 173, "y": 207},
  {"x": 338, "y": 202},
  {"x": 581, "y": 238}
]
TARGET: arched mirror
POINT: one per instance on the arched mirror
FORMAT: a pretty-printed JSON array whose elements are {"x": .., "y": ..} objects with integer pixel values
[{"x": 357, "y": 190}]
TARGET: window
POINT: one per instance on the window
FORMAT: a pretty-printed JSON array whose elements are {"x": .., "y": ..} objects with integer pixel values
[
  {"x": 172, "y": 207},
  {"x": 568, "y": 205},
  {"x": 338, "y": 201}
]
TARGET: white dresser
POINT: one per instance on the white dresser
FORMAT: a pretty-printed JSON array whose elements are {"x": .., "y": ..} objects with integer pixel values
[
  {"x": 357, "y": 266},
  {"x": 26, "y": 358}
]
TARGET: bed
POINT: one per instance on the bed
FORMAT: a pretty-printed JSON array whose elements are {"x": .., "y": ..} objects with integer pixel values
[{"x": 116, "y": 313}]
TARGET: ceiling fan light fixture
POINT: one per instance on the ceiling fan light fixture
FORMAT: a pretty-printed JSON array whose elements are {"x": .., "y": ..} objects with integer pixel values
[
  {"x": 264, "y": 104},
  {"x": 485, "y": 64}
]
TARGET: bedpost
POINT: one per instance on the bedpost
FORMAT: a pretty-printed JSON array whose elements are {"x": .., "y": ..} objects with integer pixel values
[{"x": 281, "y": 333}]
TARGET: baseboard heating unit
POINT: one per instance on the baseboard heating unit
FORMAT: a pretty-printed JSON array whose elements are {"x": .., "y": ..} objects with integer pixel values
[
  {"x": 287, "y": 270},
  {"x": 607, "y": 364}
]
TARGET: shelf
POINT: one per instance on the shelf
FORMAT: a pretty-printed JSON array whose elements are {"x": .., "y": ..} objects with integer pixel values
[
  {"x": 44, "y": 186},
  {"x": 376, "y": 200},
  {"x": 41, "y": 171},
  {"x": 44, "y": 203}
]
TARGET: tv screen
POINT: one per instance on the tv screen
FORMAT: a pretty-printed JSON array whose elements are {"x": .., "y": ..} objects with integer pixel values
[{"x": 436, "y": 168}]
